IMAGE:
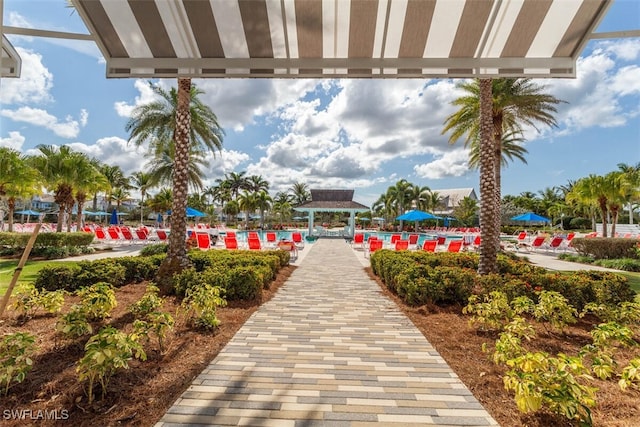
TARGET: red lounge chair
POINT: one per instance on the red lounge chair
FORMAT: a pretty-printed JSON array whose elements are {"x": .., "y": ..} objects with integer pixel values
[
  {"x": 230, "y": 243},
  {"x": 271, "y": 237},
  {"x": 287, "y": 245},
  {"x": 358, "y": 240},
  {"x": 442, "y": 240},
  {"x": 374, "y": 245},
  {"x": 253, "y": 235},
  {"x": 126, "y": 233},
  {"x": 537, "y": 243},
  {"x": 297, "y": 239},
  {"x": 204, "y": 241},
  {"x": 113, "y": 233},
  {"x": 454, "y": 245},
  {"x": 413, "y": 239},
  {"x": 555, "y": 243},
  {"x": 430, "y": 245},
  {"x": 100, "y": 234},
  {"x": 162, "y": 235},
  {"x": 254, "y": 244},
  {"x": 395, "y": 238},
  {"x": 402, "y": 245},
  {"x": 141, "y": 234}
]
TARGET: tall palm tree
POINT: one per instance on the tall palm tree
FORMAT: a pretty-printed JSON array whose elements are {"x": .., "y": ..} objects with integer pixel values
[
  {"x": 142, "y": 181},
  {"x": 17, "y": 180},
  {"x": 510, "y": 149},
  {"x": 179, "y": 118},
  {"x": 593, "y": 190},
  {"x": 511, "y": 103},
  {"x": 631, "y": 178},
  {"x": 57, "y": 169},
  {"x": 161, "y": 202},
  {"x": 247, "y": 202},
  {"x": 263, "y": 202},
  {"x": 300, "y": 193},
  {"x": 88, "y": 181},
  {"x": 401, "y": 194},
  {"x": 162, "y": 167},
  {"x": 116, "y": 179},
  {"x": 256, "y": 183},
  {"x": 236, "y": 181}
]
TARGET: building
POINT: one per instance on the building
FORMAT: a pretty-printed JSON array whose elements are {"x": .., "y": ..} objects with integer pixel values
[{"x": 450, "y": 199}]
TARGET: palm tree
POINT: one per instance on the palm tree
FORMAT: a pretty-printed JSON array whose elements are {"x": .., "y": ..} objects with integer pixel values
[
  {"x": 142, "y": 181},
  {"x": 466, "y": 210},
  {"x": 300, "y": 193},
  {"x": 510, "y": 104},
  {"x": 161, "y": 202},
  {"x": 57, "y": 169},
  {"x": 263, "y": 202},
  {"x": 162, "y": 167},
  {"x": 247, "y": 202},
  {"x": 401, "y": 194},
  {"x": 180, "y": 119},
  {"x": 593, "y": 190},
  {"x": 17, "y": 180},
  {"x": 256, "y": 183},
  {"x": 631, "y": 178},
  {"x": 236, "y": 182},
  {"x": 116, "y": 179},
  {"x": 88, "y": 181},
  {"x": 510, "y": 149}
]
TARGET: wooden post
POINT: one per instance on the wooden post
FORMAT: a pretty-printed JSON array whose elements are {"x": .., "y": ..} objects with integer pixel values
[{"x": 21, "y": 263}]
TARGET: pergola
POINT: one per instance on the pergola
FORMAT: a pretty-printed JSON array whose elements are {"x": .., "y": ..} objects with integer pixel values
[{"x": 332, "y": 201}]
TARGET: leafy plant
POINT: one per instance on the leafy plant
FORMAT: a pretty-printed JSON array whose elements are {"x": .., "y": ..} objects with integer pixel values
[
  {"x": 74, "y": 324},
  {"x": 97, "y": 300},
  {"x": 491, "y": 313},
  {"x": 156, "y": 323},
  {"x": 105, "y": 353},
  {"x": 148, "y": 303},
  {"x": 28, "y": 299},
  {"x": 553, "y": 308},
  {"x": 539, "y": 380},
  {"x": 201, "y": 302},
  {"x": 16, "y": 351},
  {"x": 630, "y": 376}
]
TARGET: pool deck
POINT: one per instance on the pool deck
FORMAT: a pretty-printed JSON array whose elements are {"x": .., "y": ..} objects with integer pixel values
[{"x": 329, "y": 349}]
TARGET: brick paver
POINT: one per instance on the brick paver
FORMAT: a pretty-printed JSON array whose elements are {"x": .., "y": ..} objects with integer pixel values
[{"x": 328, "y": 350}]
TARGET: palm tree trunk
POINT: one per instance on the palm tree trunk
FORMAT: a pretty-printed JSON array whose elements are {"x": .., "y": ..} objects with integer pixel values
[
  {"x": 11, "y": 204},
  {"x": 177, "y": 259},
  {"x": 488, "y": 249}
]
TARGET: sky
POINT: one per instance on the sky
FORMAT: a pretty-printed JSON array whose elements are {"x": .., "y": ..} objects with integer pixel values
[{"x": 355, "y": 134}]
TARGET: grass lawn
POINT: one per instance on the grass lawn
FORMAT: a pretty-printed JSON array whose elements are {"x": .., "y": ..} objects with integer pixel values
[{"x": 29, "y": 271}]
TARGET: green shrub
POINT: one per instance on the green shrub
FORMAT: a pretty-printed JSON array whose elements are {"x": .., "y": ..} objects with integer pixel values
[
  {"x": 101, "y": 270},
  {"x": 97, "y": 300},
  {"x": 60, "y": 276},
  {"x": 29, "y": 298},
  {"x": 625, "y": 264},
  {"x": 154, "y": 249},
  {"x": 148, "y": 303},
  {"x": 137, "y": 268},
  {"x": 243, "y": 283},
  {"x": 43, "y": 240},
  {"x": 201, "y": 302},
  {"x": 606, "y": 248},
  {"x": 74, "y": 324}
]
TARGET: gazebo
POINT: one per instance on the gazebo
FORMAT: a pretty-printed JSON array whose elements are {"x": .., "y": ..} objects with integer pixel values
[{"x": 332, "y": 201}]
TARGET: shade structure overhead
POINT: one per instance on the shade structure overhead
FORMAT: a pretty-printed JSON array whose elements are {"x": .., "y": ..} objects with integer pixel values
[
  {"x": 345, "y": 38},
  {"x": 11, "y": 62}
]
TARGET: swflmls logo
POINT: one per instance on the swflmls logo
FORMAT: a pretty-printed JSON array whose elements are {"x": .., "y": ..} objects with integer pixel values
[{"x": 40, "y": 414}]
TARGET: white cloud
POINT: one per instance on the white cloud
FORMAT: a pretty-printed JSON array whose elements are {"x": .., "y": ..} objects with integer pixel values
[
  {"x": 449, "y": 164},
  {"x": 34, "y": 84},
  {"x": 147, "y": 95},
  {"x": 84, "y": 117},
  {"x": 38, "y": 117},
  {"x": 15, "y": 141},
  {"x": 115, "y": 151}
]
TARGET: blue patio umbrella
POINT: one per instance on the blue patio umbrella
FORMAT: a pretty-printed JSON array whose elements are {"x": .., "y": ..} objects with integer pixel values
[
  {"x": 416, "y": 215},
  {"x": 28, "y": 212},
  {"x": 191, "y": 212},
  {"x": 114, "y": 218},
  {"x": 530, "y": 217}
]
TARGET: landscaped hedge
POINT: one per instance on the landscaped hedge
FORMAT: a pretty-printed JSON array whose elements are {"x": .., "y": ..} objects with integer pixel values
[
  {"x": 57, "y": 240},
  {"x": 450, "y": 278},
  {"x": 606, "y": 248},
  {"x": 242, "y": 274}
]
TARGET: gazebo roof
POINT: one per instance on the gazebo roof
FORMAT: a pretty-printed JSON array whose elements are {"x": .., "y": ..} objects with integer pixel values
[
  {"x": 345, "y": 38},
  {"x": 11, "y": 61},
  {"x": 331, "y": 201}
]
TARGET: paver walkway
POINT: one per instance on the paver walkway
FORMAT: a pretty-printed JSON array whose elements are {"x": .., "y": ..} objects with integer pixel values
[{"x": 328, "y": 350}]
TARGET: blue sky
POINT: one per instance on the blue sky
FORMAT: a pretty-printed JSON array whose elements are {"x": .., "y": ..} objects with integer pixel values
[{"x": 360, "y": 134}]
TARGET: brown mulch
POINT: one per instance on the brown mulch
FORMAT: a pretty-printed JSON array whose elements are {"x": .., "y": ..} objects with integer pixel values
[{"x": 141, "y": 395}]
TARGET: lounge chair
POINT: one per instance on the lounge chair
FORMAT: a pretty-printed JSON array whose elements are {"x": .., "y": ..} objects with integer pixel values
[
  {"x": 162, "y": 235},
  {"x": 374, "y": 245},
  {"x": 455, "y": 245},
  {"x": 204, "y": 241},
  {"x": 296, "y": 236},
  {"x": 556, "y": 243},
  {"x": 230, "y": 243},
  {"x": 413, "y": 240},
  {"x": 271, "y": 239},
  {"x": 358, "y": 240},
  {"x": 430, "y": 245},
  {"x": 254, "y": 244},
  {"x": 401, "y": 245},
  {"x": 287, "y": 245}
]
